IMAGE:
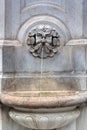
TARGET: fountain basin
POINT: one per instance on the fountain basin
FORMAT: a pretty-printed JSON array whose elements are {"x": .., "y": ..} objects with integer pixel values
[
  {"x": 44, "y": 109},
  {"x": 44, "y": 99}
]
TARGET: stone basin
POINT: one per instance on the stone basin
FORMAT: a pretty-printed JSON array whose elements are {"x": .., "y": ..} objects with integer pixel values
[
  {"x": 44, "y": 109},
  {"x": 44, "y": 99}
]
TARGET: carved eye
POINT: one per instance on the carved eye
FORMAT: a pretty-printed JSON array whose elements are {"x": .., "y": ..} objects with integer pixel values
[
  {"x": 38, "y": 37},
  {"x": 49, "y": 39}
]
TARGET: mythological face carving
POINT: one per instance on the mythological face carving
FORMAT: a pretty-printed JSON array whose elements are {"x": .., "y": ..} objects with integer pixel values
[{"x": 43, "y": 42}]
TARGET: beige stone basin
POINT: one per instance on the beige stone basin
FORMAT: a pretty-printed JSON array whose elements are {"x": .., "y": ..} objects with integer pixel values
[
  {"x": 44, "y": 99},
  {"x": 44, "y": 109}
]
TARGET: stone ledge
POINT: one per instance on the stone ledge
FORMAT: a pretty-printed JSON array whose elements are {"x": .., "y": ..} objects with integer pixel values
[
  {"x": 9, "y": 43},
  {"x": 77, "y": 42},
  {"x": 44, "y": 75},
  {"x": 72, "y": 42}
]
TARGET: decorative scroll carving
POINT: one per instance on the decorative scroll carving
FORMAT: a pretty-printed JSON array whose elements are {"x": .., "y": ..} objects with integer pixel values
[{"x": 43, "y": 41}]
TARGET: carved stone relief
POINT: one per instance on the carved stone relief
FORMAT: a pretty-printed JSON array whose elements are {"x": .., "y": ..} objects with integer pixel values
[
  {"x": 43, "y": 41},
  {"x": 44, "y": 36},
  {"x": 44, "y": 120}
]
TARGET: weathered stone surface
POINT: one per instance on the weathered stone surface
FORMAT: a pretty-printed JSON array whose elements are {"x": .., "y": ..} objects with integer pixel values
[
  {"x": 44, "y": 99},
  {"x": 69, "y": 18},
  {"x": 48, "y": 82},
  {"x": 44, "y": 120}
]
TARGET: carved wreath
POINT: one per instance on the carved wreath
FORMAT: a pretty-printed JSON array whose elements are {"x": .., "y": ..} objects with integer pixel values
[{"x": 43, "y": 42}]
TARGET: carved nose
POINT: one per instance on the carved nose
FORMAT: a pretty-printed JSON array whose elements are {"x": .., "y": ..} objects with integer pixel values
[{"x": 43, "y": 40}]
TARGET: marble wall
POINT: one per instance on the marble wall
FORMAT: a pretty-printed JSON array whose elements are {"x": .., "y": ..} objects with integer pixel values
[{"x": 17, "y": 64}]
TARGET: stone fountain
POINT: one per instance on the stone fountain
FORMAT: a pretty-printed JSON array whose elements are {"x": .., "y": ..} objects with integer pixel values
[
  {"x": 40, "y": 88},
  {"x": 54, "y": 104}
]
